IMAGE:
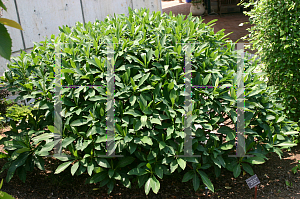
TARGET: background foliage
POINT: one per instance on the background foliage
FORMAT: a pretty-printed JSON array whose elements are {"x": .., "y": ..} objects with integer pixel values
[
  {"x": 149, "y": 103},
  {"x": 275, "y": 34}
]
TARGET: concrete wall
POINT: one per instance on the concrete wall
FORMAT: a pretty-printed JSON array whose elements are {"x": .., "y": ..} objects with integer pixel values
[{"x": 41, "y": 18}]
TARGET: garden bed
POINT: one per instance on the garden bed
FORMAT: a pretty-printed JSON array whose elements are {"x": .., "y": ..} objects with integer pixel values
[{"x": 272, "y": 175}]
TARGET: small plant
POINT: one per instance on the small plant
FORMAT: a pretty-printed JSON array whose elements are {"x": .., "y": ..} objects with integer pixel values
[
  {"x": 17, "y": 112},
  {"x": 3, "y": 194},
  {"x": 289, "y": 184},
  {"x": 296, "y": 168}
]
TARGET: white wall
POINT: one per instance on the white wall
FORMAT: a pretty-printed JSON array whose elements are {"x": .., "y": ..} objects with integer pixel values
[{"x": 41, "y": 18}]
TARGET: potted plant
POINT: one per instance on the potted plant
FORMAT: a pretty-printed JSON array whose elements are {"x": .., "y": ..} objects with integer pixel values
[{"x": 197, "y": 7}]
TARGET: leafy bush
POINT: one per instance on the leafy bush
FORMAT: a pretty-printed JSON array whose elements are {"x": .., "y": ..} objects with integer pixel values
[
  {"x": 18, "y": 112},
  {"x": 275, "y": 34},
  {"x": 149, "y": 103}
]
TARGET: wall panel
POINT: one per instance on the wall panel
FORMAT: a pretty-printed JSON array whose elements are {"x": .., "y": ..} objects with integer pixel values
[{"x": 42, "y": 18}]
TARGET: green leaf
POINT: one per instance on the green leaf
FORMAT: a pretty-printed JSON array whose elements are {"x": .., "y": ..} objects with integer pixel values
[
  {"x": 170, "y": 130},
  {"x": 237, "y": 170},
  {"x": 111, "y": 172},
  {"x": 173, "y": 166},
  {"x": 90, "y": 168},
  {"x": 143, "y": 79},
  {"x": 132, "y": 100},
  {"x": 62, "y": 157},
  {"x": 280, "y": 119},
  {"x": 119, "y": 129},
  {"x": 248, "y": 168},
  {"x": 49, "y": 146},
  {"x": 10, "y": 23},
  {"x": 15, "y": 164},
  {"x": 147, "y": 140},
  {"x": 5, "y": 195},
  {"x": 254, "y": 92},
  {"x": 149, "y": 166},
  {"x": 206, "y": 79},
  {"x": 3, "y": 155},
  {"x": 155, "y": 185},
  {"x": 196, "y": 182},
  {"x": 62, "y": 167},
  {"x": 182, "y": 163},
  {"x": 228, "y": 131},
  {"x": 103, "y": 163},
  {"x": 42, "y": 137},
  {"x": 212, "y": 21},
  {"x": 291, "y": 133},
  {"x": 67, "y": 141},
  {"x": 188, "y": 175},
  {"x": 159, "y": 171},
  {"x": 138, "y": 125},
  {"x": 170, "y": 86},
  {"x": 6, "y": 43},
  {"x": 155, "y": 121},
  {"x": 147, "y": 186},
  {"x": 67, "y": 70},
  {"x": 79, "y": 122},
  {"x": 134, "y": 113},
  {"x": 4, "y": 7},
  {"x": 255, "y": 160},
  {"x": 270, "y": 117},
  {"x": 97, "y": 177},
  {"x": 146, "y": 88},
  {"x": 206, "y": 180},
  {"x": 125, "y": 161},
  {"x": 132, "y": 147},
  {"x": 137, "y": 171},
  {"x": 286, "y": 144},
  {"x": 162, "y": 145},
  {"x": 144, "y": 120},
  {"x": 110, "y": 186},
  {"x": 22, "y": 150},
  {"x": 132, "y": 82},
  {"x": 74, "y": 168},
  {"x": 39, "y": 162}
]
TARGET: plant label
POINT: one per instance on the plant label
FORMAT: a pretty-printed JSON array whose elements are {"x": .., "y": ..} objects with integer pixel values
[{"x": 252, "y": 181}]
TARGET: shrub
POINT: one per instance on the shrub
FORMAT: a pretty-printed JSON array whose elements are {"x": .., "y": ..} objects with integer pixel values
[
  {"x": 275, "y": 34},
  {"x": 149, "y": 103},
  {"x": 18, "y": 112}
]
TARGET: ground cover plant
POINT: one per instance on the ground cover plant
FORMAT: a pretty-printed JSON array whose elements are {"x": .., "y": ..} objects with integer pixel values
[{"x": 149, "y": 103}]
